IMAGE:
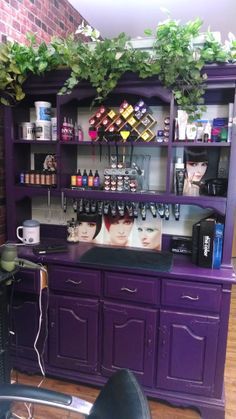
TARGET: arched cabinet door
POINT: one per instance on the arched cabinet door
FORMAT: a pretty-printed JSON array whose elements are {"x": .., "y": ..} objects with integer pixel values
[
  {"x": 187, "y": 351},
  {"x": 73, "y": 333},
  {"x": 129, "y": 340}
]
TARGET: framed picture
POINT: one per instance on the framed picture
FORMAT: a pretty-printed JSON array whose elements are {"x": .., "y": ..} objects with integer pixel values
[
  {"x": 201, "y": 164},
  {"x": 45, "y": 162}
]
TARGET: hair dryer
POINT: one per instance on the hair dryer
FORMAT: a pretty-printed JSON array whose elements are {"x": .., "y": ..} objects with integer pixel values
[{"x": 9, "y": 259}]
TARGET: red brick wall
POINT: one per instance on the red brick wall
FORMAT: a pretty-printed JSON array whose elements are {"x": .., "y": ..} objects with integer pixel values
[{"x": 46, "y": 17}]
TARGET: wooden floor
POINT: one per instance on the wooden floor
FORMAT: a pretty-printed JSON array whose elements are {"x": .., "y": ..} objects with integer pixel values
[{"x": 158, "y": 411}]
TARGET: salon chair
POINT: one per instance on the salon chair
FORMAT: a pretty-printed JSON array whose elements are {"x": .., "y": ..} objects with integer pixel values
[{"x": 120, "y": 398}]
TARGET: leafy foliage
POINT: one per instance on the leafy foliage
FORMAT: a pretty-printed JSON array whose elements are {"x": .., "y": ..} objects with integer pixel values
[
  {"x": 174, "y": 58},
  {"x": 18, "y": 61}
]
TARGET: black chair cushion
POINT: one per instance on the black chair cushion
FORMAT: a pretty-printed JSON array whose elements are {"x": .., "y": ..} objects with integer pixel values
[{"x": 121, "y": 398}]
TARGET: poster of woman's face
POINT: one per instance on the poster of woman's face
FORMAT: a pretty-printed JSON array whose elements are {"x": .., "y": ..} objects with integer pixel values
[
  {"x": 196, "y": 165},
  {"x": 118, "y": 229},
  {"x": 201, "y": 164},
  {"x": 88, "y": 227},
  {"x": 150, "y": 235},
  {"x": 196, "y": 170},
  {"x": 121, "y": 231}
]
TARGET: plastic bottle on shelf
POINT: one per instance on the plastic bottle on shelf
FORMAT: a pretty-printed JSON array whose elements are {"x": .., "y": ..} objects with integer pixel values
[
  {"x": 179, "y": 176},
  {"x": 85, "y": 179},
  {"x": 96, "y": 179},
  {"x": 65, "y": 131},
  {"x": 79, "y": 181},
  {"x": 54, "y": 128},
  {"x": 71, "y": 130},
  {"x": 207, "y": 132},
  {"x": 90, "y": 179},
  {"x": 73, "y": 180},
  {"x": 80, "y": 133}
]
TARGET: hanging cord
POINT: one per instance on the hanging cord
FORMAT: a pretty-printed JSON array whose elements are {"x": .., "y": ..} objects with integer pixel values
[
  {"x": 43, "y": 271},
  {"x": 40, "y": 362}
]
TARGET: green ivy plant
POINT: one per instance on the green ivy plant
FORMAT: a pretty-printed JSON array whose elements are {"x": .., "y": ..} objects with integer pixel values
[
  {"x": 173, "y": 58},
  {"x": 180, "y": 62},
  {"x": 179, "y": 67},
  {"x": 103, "y": 64},
  {"x": 18, "y": 61}
]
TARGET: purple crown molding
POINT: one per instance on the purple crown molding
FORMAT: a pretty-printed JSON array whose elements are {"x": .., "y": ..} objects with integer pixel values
[{"x": 53, "y": 81}]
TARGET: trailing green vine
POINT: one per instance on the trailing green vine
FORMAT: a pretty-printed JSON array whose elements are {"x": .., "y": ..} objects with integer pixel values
[
  {"x": 18, "y": 61},
  {"x": 179, "y": 67},
  {"x": 174, "y": 58}
]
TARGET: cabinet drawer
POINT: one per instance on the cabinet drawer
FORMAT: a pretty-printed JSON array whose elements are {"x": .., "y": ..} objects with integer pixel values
[
  {"x": 27, "y": 280},
  {"x": 78, "y": 281},
  {"x": 135, "y": 288},
  {"x": 196, "y": 296}
]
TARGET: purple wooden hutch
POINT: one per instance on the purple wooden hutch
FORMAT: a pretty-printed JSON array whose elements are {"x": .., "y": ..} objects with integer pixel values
[{"x": 172, "y": 331}]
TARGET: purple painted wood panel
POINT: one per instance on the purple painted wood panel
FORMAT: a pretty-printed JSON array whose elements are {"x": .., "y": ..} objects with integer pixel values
[
  {"x": 27, "y": 281},
  {"x": 24, "y": 325},
  {"x": 73, "y": 333},
  {"x": 132, "y": 288},
  {"x": 191, "y": 296},
  {"x": 76, "y": 281},
  {"x": 129, "y": 341},
  {"x": 187, "y": 352}
]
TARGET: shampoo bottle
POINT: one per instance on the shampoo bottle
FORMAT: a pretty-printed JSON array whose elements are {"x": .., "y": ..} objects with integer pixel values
[
  {"x": 85, "y": 179},
  {"x": 79, "y": 178},
  {"x": 179, "y": 177},
  {"x": 90, "y": 179},
  {"x": 96, "y": 180}
]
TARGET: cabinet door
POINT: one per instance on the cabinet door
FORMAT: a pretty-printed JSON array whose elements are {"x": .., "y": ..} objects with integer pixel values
[
  {"x": 129, "y": 340},
  {"x": 73, "y": 333},
  {"x": 24, "y": 325},
  {"x": 187, "y": 352}
]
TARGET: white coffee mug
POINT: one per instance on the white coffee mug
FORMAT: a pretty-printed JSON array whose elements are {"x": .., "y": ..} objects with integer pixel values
[{"x": 30, "y": 232}]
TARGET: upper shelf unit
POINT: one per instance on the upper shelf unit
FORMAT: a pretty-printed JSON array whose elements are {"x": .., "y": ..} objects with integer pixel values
[
  {"x": 130, "y": 88},
  {"x": 156, "y": 159}
]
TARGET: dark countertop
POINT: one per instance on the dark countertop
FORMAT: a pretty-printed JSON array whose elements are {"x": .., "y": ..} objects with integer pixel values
[{"x": 182, "y": 267}]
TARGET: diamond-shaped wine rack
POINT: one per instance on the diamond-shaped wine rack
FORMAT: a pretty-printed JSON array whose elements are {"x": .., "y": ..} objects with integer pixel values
[{"x": 137, "y": 120}]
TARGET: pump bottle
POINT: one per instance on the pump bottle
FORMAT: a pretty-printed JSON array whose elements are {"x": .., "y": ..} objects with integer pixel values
[{"x": 179, "y": 177}]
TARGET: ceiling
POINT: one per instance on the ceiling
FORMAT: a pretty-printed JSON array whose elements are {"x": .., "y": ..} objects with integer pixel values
[{"x": 133, "y": 16}]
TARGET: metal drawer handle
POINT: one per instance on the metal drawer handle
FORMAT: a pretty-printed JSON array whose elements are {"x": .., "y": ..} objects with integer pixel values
[
  {"x": 73, "y": 282},
  {"x": 129, "y": 290},
  {"x": 188, "y": 297}
]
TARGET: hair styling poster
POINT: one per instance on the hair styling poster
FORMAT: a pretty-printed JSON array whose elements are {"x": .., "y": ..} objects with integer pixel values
[{"x": 122, "y": 231}]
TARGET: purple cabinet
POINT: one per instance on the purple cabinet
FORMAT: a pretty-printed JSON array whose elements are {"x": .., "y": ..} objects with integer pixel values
[
  {"x": 129, "y": 340},
  {"x": 27, "y": 332},
  {"x": 187, "y": 350},
  {"x": 73, "y": 333},
  {"x": 171, "y": 331}
]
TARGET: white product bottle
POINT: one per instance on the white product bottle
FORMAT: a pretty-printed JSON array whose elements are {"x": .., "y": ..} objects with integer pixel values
[
  {"x": 207, "y": 132},
  {"x": 182, "y": 117},
  {"x": 179, "y": 177}
]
